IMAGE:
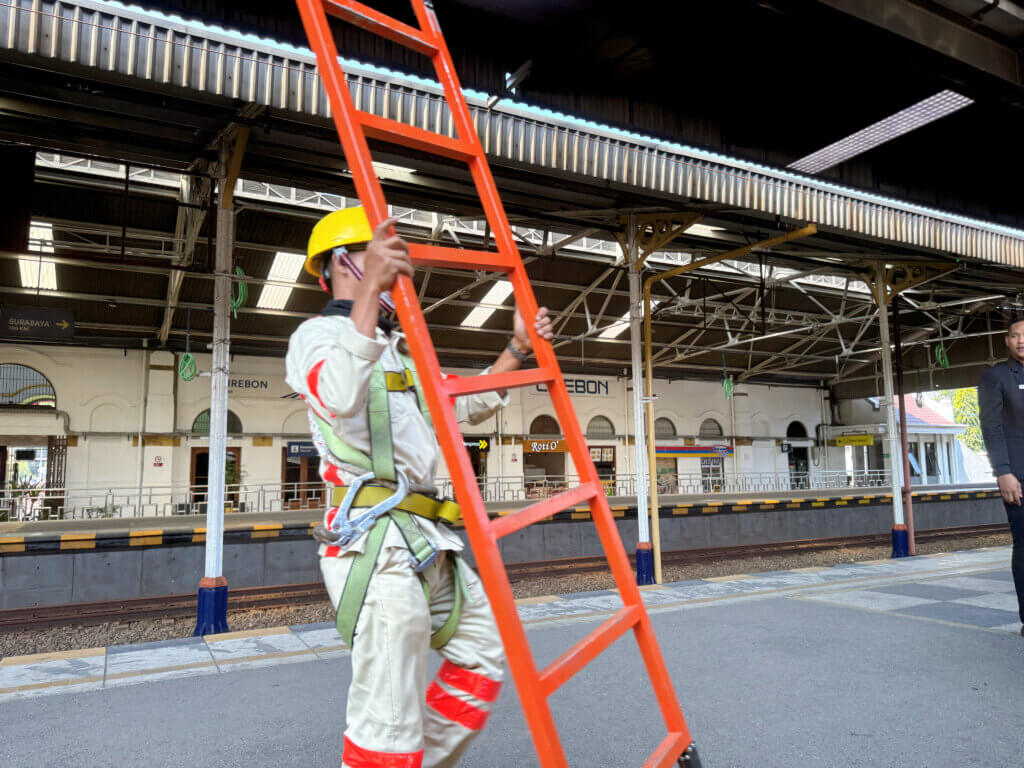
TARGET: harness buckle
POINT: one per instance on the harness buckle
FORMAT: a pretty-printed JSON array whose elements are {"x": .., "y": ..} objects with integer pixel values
[
  {"x": 428, "y": 561},
  {"x": 344, "y": 531}
]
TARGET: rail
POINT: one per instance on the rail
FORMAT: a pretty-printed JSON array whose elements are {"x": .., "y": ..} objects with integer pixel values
[{"x": 165, "y": 501}]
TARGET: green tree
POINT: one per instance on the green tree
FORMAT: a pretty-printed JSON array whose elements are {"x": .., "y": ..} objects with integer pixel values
[{"x": 965, "y": 411}]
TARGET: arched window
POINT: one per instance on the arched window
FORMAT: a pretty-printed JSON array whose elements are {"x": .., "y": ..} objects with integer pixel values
[
  {"x": 664, "y": 428},
  {"x": 544, "y": 425},
  {"x": 710, "y": 429},
  {"x": 24, "y": 386},
  {"x": 600, "y": 428},
  {"x": 796, "y": 429},
  {"x": 201, "y": 426}
]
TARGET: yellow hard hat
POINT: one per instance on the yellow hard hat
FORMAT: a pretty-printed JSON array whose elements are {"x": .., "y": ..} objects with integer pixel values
[{"x": 343, "y": 227}]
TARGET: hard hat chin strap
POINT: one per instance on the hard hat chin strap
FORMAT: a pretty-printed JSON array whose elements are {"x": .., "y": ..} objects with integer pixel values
[{"x": 341, "y": 254}]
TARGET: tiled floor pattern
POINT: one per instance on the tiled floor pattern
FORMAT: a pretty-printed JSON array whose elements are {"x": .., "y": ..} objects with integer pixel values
[
  {"x": 985, "y": 600},
  {"x": 971, "y": 588}
]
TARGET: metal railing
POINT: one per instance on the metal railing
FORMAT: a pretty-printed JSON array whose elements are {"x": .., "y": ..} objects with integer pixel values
[
  {"x": 155, "y": 501},
  {"x": 165, "y": 501}
]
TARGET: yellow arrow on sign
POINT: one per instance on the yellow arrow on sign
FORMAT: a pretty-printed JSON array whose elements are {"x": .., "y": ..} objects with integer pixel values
[
  {"x": 63, "y": 325},
  {"x": 483, "y": 445}
]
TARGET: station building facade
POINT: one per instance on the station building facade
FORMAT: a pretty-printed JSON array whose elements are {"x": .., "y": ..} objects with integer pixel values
[{"x": 89, "y": 407}]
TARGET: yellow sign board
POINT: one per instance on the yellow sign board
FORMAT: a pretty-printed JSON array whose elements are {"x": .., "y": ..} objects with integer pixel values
[
  {"x": 553, "y": 445},
  {"x": 842, "y": 440}
]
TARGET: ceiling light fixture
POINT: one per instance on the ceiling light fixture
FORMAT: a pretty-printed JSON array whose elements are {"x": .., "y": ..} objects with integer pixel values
[
  {"x": 284, "y": 269},
  {"x": 500, "y": 291},
  {"x": 37, "y": 272},
  {"x": 913, "y": 117}
]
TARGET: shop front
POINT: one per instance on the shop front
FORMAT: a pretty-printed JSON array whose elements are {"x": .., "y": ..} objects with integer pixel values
[
  {"x": 544, "y": 463},
  {"x": 712, "y": 467}
]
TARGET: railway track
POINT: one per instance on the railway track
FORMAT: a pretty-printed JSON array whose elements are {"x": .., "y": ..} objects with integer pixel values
[{"x": 182, "y": 606}]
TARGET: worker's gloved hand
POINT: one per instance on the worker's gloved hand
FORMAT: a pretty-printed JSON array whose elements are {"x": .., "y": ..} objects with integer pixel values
[
  {"x": 542, "y": 324},
  {"x": 387, "y": 257},
  {"x": 1009, "y": 488}
]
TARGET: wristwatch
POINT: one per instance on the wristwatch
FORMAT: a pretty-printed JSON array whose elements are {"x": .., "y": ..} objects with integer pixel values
[{"x": 522, "y": 357}]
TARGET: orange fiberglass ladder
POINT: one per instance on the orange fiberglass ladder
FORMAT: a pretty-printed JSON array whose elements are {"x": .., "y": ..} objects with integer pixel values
[{"x": 354, "y": 127}]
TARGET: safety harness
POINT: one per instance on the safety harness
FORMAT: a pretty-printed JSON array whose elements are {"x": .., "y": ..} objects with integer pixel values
[{"x": 384, "y": 506}]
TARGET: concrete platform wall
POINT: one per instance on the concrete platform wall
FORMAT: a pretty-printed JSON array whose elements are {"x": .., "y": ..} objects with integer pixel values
[{"x": 69, "y": 577}]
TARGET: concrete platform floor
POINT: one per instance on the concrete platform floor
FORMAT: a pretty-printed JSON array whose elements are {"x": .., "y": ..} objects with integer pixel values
[{"x": 916, "y": 662}]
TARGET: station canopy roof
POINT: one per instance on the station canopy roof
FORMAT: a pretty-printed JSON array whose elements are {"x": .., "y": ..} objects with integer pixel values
[{"x": 119, "y": 201}]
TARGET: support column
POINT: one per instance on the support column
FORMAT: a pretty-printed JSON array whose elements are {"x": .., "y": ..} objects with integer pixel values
[
  {"x": 212, "y": 604},
  {"x": 899, "y": 528},
  {"x": 908, "y": 495},
  {"x": 922, "y": 459},
  {"x": 644, "y": 555}
]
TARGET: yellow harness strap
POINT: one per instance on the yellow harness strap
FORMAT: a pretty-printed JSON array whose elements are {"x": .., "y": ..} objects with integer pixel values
[{"x": 415, "y": 503}]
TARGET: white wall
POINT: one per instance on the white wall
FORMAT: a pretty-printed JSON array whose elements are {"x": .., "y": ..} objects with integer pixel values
[{"x": 100, "y": 390}]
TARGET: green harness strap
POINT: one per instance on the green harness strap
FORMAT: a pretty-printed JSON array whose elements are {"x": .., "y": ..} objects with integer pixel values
[
  {"x": 363, "y": 564},
  {"x": 382, "y": 451},
  {"x": 382, "y": 462},
  {"x": 424, "y": 408}
]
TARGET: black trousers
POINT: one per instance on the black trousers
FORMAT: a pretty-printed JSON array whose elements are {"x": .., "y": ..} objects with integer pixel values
[{"x": 1015, "y": 514}]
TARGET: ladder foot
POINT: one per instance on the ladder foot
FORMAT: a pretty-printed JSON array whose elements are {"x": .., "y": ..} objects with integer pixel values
[{"x": 690, "y": 758}]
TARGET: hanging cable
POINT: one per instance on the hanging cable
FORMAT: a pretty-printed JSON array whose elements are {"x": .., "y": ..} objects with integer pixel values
[
  {"x": 727, "y": 383},
  {"x": 941, "y": 358},
  {"x": 240, "y": 294},
  {"x": 187, "y": 367}
]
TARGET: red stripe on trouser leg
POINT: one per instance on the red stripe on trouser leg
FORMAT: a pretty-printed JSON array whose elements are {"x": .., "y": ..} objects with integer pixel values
[
  {"x": 455, "y": 709},
  {"x": 473, "y": 683},
  {"x": 357, "y": 757}
]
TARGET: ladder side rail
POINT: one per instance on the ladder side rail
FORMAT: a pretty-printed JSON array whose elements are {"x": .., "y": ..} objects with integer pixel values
[
  {"x": 525, "y": 300},
  {"x": 661, "y": 681},
  {"x": 479, "y": 169},
  {"x": 482, "y": 540}
]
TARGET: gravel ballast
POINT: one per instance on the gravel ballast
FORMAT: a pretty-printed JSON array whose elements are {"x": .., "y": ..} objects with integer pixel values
[{"x": 101, "y": 635}]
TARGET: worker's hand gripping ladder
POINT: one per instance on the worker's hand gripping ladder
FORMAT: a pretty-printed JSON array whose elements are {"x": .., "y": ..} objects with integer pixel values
[{"x": 354, "y": 127}]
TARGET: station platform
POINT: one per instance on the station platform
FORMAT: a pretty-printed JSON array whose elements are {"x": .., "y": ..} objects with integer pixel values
[{"x": 901, "y": 663}]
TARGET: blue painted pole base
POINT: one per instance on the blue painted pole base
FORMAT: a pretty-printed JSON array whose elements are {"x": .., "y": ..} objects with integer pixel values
[
  {"x": 644, "y": 564},
  {"x": 900, "y": 542},
  {"x": 212, "y": 607}
]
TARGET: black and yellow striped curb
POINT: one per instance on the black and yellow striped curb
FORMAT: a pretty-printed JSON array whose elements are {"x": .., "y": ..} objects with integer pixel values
[{"x": 70, "y": 542}]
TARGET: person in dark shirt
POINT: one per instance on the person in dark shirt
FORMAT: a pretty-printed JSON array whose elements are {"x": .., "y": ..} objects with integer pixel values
[{"x": 1001, "y": 400}]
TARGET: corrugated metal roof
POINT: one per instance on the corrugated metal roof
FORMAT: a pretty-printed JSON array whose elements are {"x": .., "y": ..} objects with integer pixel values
[{"x": 134, "y": 44}]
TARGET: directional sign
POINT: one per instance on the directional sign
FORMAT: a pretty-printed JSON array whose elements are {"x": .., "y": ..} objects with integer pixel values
[
  {"x": 482, "y": 444},
  {"x": 856, "y": 440},
  {"x": 36, "y": 323},
  {"x": 302, "y": 448}
]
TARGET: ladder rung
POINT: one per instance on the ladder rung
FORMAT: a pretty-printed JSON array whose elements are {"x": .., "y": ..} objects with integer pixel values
[
  {"x": 381, "y": 24},
  {"x": 490, "y": 382},
  {"x": 503, "y": 526},
  {"x": 443, "y": 256},
  {"x": 585, "y": 651},
  {"x": 415, "y": 138},
  {"x": 666, "y": 754}
]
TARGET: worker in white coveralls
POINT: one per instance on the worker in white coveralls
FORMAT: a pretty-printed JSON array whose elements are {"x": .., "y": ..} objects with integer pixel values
[{"x": 391, "y": 566}]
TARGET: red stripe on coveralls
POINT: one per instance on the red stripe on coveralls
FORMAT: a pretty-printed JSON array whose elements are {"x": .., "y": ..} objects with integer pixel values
[
  {"x": 313, "y": 382},
  {"x": 472, "y": 683},
  {"x": 455, "y": 709},
  {"x": 355, "y": 756},
  {"x": 331, "y": 551}
]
